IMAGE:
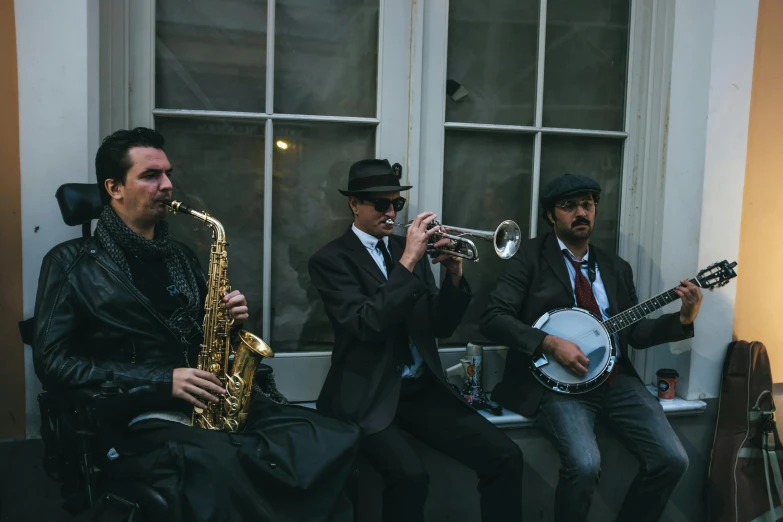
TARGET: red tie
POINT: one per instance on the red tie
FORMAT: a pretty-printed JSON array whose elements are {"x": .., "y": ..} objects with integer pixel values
[
  {"x": 585, "y": 299},
  {"x": 584, "y": 292}
]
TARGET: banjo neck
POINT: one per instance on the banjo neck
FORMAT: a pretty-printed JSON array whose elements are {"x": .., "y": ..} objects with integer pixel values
[{"x": 636, "y": 313}]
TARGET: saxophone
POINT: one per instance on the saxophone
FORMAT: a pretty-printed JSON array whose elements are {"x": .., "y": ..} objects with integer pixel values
[{"x": 231, "y": 411}]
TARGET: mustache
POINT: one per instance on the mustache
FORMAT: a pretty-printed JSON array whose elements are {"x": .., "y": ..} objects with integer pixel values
[{"x": 580, "y": 221}]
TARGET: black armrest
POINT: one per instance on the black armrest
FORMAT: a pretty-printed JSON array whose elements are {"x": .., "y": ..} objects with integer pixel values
[
  {"x": 90, "y": 396},
  {"x": 111, "y": 406},
  {"x": 77, "y": 396}
]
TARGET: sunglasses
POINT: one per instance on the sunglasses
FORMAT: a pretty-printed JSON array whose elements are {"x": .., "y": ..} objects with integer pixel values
[{"x": 381, "y": 204}]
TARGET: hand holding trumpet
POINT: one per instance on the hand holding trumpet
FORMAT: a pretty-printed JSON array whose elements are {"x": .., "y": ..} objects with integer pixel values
[
  {"x": 418, "y": 237},
  {"x": 418, "y": 242}
]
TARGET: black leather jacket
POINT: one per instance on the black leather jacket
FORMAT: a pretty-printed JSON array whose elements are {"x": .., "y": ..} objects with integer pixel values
[{"x": 90, "y": 318}]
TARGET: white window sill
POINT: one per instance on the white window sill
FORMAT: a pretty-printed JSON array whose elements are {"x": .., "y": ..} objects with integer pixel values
[{"x": 510, "y": 420}]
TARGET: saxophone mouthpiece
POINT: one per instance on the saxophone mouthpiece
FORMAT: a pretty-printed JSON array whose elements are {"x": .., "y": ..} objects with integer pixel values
[{"x": 177, "y": 206}]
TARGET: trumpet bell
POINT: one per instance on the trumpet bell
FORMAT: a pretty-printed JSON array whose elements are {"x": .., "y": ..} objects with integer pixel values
[{"x": 507, "y": 239}]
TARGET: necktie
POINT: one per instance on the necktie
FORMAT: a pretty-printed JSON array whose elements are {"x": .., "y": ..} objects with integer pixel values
[
  {"x": 387, "y": 261},
  {"x": 403, "y": 353},
  {"x": 584, "y": 292},
  {"x": 585, "y": 299}
]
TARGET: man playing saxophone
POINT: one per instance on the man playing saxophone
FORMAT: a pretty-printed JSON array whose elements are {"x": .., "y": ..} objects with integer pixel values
[{"x": 130, "y": 300}]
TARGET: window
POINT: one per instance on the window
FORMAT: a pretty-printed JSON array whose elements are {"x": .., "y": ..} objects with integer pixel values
[{"x": 533, "y": 90}]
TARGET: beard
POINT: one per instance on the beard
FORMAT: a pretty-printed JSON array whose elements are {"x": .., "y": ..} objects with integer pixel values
[{"x": 568, "y": 231}]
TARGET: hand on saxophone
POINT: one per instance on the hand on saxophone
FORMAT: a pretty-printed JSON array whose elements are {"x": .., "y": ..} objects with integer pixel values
[
  {"x": 196, "y": 386},
  {"x": 236, "y": 304}
]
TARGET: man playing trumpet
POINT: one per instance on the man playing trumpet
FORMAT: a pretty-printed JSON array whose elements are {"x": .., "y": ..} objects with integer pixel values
[{"x": 386, "y": 375}]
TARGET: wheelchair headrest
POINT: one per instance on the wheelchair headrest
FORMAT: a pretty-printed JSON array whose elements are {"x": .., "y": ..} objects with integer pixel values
[{"x": 79, "y": 202}]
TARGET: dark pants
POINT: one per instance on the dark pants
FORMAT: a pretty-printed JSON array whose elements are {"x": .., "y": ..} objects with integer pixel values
[
  {"x": 431, "y": 414},
  {"x": 637, "y": 418},
  {"x": 288, "y": 465}
]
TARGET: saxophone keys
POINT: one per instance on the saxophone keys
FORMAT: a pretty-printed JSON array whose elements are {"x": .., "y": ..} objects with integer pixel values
[
  {"x": 234, "y": 385},
  {"x": 231, "y": 405}
]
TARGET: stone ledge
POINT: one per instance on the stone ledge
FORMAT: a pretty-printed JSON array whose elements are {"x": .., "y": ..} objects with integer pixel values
[{"x": 510, "y": 420}]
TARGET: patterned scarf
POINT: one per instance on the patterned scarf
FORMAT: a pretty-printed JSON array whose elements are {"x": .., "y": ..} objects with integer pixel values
[{"x": 117, "y": 238}]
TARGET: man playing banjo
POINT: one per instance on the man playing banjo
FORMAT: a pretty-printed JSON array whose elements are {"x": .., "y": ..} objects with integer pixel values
[{"x": 558, "y": 271}]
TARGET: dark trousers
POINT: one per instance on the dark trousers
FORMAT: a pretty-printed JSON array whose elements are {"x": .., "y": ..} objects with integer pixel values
[
  {"x": 288, "y": 465},
  {"x": 431, "y": 414},
  {"x": 637, "y": 418}
]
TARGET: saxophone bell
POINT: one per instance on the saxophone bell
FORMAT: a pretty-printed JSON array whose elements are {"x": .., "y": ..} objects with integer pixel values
[{"x": 255, "y": 344}]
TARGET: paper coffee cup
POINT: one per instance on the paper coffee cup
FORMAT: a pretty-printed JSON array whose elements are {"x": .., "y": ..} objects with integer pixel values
[{"x": 667, "y": 383}]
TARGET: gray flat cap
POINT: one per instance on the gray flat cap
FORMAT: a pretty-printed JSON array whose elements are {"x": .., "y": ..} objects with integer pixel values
[{"x": 566, "y": 185}]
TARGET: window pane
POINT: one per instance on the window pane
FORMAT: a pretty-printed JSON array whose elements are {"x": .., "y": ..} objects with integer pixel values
[
  {"x": 211, "y": 55},
  {"x": 486, "y": 180},
  {"x": 585, "y": 64},
  {"x": 308, "y": 213},
  {"x": 492, "y": 56},
  {"x": 326, "y": 57},
  {"x": 219, "y": 168},
  {"x": 598, "y": 158}
]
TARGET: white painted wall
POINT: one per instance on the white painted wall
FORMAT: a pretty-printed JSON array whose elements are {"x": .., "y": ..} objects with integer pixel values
[
  {"x": 731, "y": 78},
  {"x": 712, "y": 69},
  {"x": 58, "y": 126}
]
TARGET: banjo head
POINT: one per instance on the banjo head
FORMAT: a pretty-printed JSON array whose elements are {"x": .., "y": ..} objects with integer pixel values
[{"x": 583, "y": 329}]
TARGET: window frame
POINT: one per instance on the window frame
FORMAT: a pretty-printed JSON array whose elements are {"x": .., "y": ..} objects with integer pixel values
[{"x": 412, "y": 76}]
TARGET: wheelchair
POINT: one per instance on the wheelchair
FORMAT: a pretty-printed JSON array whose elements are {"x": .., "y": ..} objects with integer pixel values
[{"x": 76, "y": 425}]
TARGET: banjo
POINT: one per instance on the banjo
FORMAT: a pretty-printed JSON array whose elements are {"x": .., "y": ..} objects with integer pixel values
[{"x": 596, "y": 337}]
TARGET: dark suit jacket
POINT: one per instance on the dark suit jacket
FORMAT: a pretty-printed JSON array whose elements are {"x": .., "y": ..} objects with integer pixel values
[
  {"x": 536, "y": 281},
  {"x": 367, "y": 313}
]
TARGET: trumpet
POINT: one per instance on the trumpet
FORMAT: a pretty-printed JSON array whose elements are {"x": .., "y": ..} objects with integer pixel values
[{"x": 506, "y": 239}]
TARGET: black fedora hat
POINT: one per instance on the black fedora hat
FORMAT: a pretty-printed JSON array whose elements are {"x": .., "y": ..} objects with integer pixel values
[{"x": 372, "y": 175}]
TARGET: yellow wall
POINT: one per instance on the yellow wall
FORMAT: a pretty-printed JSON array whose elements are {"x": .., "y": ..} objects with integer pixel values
[
  {"x": 12, "y": 403},
  {"x": 759, "y": 308}
]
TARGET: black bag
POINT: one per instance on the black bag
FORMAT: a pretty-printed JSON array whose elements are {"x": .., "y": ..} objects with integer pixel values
[{"x": 745, "y": 482}]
